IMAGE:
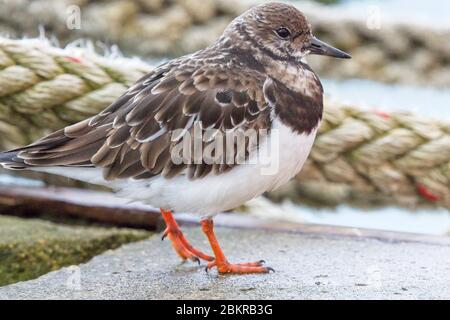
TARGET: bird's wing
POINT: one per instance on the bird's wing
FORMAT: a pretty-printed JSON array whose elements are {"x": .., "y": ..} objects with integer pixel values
[{"x": 135, "y": 135}]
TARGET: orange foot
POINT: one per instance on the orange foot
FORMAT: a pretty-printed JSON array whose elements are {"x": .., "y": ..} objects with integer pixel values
[
  {"x": 221, "y": 262},
  {"x": 181, "y": 245}
]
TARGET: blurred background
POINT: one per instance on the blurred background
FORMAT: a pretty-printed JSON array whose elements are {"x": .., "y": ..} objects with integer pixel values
[{"x": 393, "y": 96}]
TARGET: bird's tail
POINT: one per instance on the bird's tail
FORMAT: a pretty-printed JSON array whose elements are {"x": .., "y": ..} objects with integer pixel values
[
  {"x": 16, "y": 159},
  {"x": 58, "y": 151},
  {"x": 10, "y": 160}
]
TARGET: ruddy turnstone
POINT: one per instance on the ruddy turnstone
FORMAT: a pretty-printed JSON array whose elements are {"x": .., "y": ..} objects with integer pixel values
[{"x": 252, "y": 85}]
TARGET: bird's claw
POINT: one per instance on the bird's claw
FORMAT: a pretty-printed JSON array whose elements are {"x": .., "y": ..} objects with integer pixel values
[
  {"x": 239, "y": 268},
  {"x": 196, "y": 259},
  {"x": 165, "y": 234}
]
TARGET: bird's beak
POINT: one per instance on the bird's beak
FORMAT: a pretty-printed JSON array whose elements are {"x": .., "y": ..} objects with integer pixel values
[{"x": 321, "y": 48}]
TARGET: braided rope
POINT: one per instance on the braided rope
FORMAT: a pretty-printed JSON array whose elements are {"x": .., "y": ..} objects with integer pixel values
[
  {"x": 395, "y": 52},
  {"x": 357, "y": 155},
  {"x": 44, "y": 88},
  {"x": 377, "y": 156}
]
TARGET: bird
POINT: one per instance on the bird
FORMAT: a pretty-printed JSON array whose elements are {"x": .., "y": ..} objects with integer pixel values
[{"x": 252, "y": 84}]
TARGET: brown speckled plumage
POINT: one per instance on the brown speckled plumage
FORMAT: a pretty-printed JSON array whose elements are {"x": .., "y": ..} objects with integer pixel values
[{"x": 243, "y": 81}]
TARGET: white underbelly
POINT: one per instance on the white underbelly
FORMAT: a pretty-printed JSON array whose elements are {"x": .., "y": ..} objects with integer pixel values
[{"x": 216, "y": 193}]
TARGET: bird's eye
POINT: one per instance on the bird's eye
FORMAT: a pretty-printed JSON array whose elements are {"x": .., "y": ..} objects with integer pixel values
[{"x": 283, "y": 33}]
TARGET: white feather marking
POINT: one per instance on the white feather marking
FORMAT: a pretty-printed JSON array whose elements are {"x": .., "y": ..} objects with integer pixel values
[{"x": 153, "y": 136}]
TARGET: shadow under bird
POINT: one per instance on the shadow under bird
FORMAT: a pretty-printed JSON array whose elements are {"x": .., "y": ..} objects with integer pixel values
[{"x": 254, "y": 78}]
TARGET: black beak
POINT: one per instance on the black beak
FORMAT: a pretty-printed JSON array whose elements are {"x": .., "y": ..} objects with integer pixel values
[{"x": 321, "y": 48}]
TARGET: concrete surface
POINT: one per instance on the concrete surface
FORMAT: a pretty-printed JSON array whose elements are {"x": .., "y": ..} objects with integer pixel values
[{"x": 308, "y": 266}]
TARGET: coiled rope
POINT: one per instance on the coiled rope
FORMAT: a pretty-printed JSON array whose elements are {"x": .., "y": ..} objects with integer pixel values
[{"x": 362, "y": 156}]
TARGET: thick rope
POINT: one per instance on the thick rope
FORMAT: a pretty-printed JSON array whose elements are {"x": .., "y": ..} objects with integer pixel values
[
  {"x": 390, "y": 51},
  {"x": 358, "y": 155},
  {"x": 44, "y": 88},
  {"x": 369, "y": 156}
]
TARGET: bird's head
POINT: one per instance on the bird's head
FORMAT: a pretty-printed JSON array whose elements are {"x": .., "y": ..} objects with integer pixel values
[{"x": 282, "y": 31}]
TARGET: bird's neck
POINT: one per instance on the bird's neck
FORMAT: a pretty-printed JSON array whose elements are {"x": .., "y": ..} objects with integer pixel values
[
  {"x": 296, "y": 76},
  {"x": 300, "y": 94}
]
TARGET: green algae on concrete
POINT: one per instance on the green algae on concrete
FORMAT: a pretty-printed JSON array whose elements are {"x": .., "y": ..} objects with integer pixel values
[{"x": 32, "y": 247}]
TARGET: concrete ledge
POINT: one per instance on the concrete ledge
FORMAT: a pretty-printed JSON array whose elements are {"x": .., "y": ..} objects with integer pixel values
[
  {"x": 242, "y": 221},
  {"x": 308, "y": 265}
]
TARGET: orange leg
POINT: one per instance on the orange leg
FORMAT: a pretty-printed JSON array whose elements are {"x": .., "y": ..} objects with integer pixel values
[
  {"x": 181, "y": 245},
  {"x": 221, "y": 262}
]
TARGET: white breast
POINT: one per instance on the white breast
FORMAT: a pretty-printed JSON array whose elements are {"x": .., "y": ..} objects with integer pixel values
[{"x": 216, "y": 193}]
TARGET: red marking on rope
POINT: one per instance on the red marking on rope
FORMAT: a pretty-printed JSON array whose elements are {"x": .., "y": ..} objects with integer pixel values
[
  {"x": 424, "y": 192},
  {"x": 382, "y": 114},
  {"x": 73, "y": 59}
]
